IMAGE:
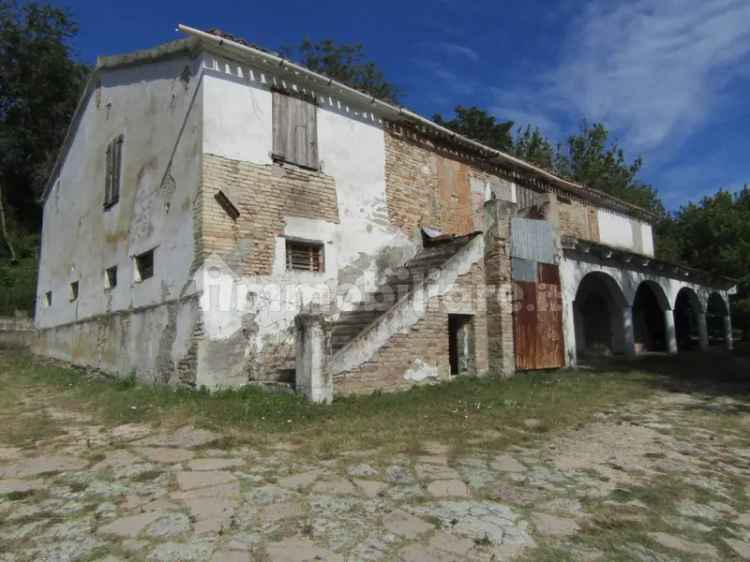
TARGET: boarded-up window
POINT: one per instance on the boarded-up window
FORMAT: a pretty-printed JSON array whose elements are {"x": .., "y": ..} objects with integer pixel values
[
  {"x": 304, "y": 256},
  {"x": 113, "y": 172},
  {"x": 295, "y": 130}
]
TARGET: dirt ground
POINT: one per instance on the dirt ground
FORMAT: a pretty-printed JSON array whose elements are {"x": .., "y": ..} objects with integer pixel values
[{"x": 664, "y": 478}]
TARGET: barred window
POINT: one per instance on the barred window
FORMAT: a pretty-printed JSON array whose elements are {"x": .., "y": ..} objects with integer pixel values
[
  {"x": 304, "y": 256},
  {"x": 113, "y": 172}
]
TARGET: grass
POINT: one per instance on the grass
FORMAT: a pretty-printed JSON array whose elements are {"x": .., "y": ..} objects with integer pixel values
[
  {"x": 451, "y": 413},
  {"x": 448, "y": 412}
]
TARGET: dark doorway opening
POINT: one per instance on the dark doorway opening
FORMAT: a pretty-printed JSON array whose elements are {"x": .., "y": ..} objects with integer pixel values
[
  {"x": 648, "y": 321},
  {"x": 461, "y": 343},
  {"x": 686, "y": 320},
  {"x": 597, "y": 313}
]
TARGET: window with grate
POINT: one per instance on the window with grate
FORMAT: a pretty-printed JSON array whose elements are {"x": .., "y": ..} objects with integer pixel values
[
  {"x": 113, "y": 172},
  {"x": 304, "y": 256}
]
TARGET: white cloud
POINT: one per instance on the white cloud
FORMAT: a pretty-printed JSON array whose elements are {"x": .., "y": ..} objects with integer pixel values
[
  {"x": 652, "y": 70},
  {"x": 454, "y": 49}
]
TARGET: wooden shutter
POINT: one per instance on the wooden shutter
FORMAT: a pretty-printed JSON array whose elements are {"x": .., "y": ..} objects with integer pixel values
[
  {"x": 115, "y": 194},
  {"x": 295, "y": 130},
  {"x": 108, "y": 176}
]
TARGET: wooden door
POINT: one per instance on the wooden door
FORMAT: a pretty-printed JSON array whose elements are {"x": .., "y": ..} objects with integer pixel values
[{"x": 537, "y": 302}]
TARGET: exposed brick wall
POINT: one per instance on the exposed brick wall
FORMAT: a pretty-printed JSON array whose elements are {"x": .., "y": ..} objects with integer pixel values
[
  {"x": 579, "y": 220},
  {"x": 425, "y": 187},
  {"x": 497, "y": 263},
  {"x": 264, "y": 196},
  {"x": 426, "y": 340}
]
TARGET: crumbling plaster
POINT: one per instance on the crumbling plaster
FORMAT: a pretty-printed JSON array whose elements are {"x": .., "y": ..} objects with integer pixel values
[{"x": 157, "y": 109}]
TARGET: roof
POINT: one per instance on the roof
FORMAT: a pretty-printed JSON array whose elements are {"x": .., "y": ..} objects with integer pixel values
[
  {"x": 640, "y": 261},
  {"x": 240, "y": 49}
]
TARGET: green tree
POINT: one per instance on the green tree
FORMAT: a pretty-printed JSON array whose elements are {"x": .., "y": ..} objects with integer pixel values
[
  {"x": 479, "y": 125},
  {"x": 39, "y": 86},
  {"x": 345, "y": 63},
  {"x": 532, "y": 146},
  {"x": 591, "y": 159}
]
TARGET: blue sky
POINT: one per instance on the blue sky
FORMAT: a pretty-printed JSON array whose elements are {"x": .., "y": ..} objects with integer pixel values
[{"x": 670, "y": 78}]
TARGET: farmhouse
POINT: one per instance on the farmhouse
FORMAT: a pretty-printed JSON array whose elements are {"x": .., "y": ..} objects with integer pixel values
[{"x": 220, "y": 216}]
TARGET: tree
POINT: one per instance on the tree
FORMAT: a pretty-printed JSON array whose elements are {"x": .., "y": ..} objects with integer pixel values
[
  {"x": 479, "y": 125},
  {"x": 39, "y": 86},
  {"x": 589, "y": 159},
  {"x": 532, "y": 146},
  {"x": 344, "y": 63}
]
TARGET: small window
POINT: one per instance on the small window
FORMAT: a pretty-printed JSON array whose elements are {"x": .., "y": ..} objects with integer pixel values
[
  {"x": 74, "y": 291},
  {"x": 110, "y": 277},
  {"x": 295, "y": 130},
  {"x": 304, "y": 256},
  {"x": 48, "y": 299},
  {"x": 144, "y": 266},
  {"x": 113, "y": 172}
]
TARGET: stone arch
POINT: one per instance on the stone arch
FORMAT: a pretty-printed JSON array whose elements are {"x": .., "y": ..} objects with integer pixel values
[
  {"x": 598, "y": 315},
  {"x": 716, "y": 312},
  {"x": 649, "y": 328},
  {"x": 688, "y": 312}
]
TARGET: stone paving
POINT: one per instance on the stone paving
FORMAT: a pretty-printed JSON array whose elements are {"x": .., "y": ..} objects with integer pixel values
[{"x": 135, "y": 493}]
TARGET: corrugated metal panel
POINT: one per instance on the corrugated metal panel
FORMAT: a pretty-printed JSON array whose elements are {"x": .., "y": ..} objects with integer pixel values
[
  {"x": 532, "y": 240},
  {"x": 523, "y": 270}
]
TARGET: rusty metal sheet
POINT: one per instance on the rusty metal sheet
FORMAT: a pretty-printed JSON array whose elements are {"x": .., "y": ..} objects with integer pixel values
[
  {"x": 532, "y": 240},
  {"x": 537, "y": 321},
  {"x": 523, "y": 270}
]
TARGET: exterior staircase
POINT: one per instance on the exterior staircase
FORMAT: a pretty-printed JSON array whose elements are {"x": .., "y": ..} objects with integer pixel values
[{"x": 435, "y": 253}]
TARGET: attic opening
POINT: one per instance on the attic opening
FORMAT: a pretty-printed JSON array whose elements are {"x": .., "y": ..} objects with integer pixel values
[{"x": 461, "y": 343}]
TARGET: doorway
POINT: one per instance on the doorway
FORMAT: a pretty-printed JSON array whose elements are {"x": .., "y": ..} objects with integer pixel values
[{"x": 461, "y": 343}]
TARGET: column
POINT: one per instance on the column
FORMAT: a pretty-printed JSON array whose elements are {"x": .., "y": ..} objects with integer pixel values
[
  {"x": 728, "y": 338},
  {"x": 312, "y": 377},
  {"x": 628, "y": 331},
  {"x": 669, "y": 331},
  {"x": 702, "y": 331}
]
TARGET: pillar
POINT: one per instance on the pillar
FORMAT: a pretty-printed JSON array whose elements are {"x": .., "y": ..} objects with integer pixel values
[
  {"x": 669, "y": 331},
  {"x": 312, "y": 377},
  {"x": 702, "y": 331},
  {"x": 728, "y": 338},
  {"x": 628, "y": 331}
]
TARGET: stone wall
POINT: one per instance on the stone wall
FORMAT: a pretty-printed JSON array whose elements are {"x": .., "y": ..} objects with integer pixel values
[
  {"x": 499, "y": 288},
  {"x": 578, "y": 220},
  {"x": 16, "y": 332},
  {"x": 264, "y": 196},
  {"x": 421, "y": 353}
]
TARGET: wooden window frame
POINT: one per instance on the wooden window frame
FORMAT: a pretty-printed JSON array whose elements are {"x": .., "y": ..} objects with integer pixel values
[
  {"x": 113, "y": 172},
  {"x": 305, "y": 255},
  {"x": 304, "y": 153}
]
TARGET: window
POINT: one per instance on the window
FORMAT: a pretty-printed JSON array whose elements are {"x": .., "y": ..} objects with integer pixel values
[
  {"x": 295, "y": 130},
  {"x": 48, "y": 299},
  {"x": 113, "y": 172},
  {"x": 304, "y": 256},
  {"x": 74, "y": 291},
  {"x": 110, "y": 277},
  {"x": 144, "y": 266}
]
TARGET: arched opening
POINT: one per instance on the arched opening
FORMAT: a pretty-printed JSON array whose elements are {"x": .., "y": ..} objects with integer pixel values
[
  {"x": 598, "y": 316},
  {"x": 649, "y": 329},
  {"x": 687, "y": 312},
  {"x": 716, "y": 311}
]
